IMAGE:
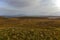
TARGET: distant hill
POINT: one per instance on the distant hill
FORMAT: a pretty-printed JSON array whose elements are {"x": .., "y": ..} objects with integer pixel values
[{"x": 41, "y": 17}]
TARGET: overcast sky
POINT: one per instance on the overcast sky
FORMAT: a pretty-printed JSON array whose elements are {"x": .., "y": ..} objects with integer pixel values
[{"x": 29, "y": 7}]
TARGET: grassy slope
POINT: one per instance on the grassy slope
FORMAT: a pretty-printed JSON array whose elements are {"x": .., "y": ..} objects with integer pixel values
[{"x": 29, "y": 29}]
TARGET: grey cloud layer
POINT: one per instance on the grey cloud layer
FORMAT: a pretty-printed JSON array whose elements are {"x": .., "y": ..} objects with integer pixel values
[{"x": 28, "y": 8}]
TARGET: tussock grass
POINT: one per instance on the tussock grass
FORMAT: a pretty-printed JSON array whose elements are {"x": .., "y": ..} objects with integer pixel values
[{"x": 18, "y": 33}]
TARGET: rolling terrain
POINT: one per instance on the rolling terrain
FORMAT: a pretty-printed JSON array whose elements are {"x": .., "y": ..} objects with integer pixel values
[{"x": 29, "y": 28}]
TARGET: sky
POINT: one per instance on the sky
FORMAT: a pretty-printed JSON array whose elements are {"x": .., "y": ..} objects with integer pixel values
[{"x": 29, "y": 7}]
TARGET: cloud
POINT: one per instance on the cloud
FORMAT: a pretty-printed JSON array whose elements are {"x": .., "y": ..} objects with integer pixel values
[{"x": 28, "y": 8}]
